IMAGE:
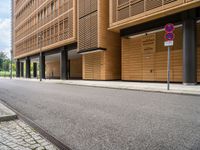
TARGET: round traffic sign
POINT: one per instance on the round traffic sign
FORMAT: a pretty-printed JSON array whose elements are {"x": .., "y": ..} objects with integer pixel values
[
  {"x": 169, "y": 28},
  {"x": 169, "y": 36}
]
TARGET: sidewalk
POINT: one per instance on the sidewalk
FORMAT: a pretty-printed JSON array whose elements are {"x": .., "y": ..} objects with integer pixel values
[
  {"x": 16, "y": 135},
  {"x": 140, "y": 86}
]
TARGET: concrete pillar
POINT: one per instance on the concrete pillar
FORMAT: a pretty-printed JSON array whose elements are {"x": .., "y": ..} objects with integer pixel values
[
  {"x": 64, "y": 64},
  {"x": 189, "y": 49},
  {"x": 34, "y": 70},
  {"x": 42, "y": 69},
  {"x": 28, "y": 66},
  {"x": 17, "y": 68},
  {"x": 22, "y": 69}
]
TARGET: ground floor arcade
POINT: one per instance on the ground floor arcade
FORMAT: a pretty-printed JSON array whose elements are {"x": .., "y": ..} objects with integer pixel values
[{"x": 60, "y": 63}]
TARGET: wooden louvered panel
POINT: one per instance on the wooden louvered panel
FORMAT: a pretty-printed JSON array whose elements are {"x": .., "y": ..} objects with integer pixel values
[
  {"x": 92, "y": 66},
  {"x": 87, "y": 32},
  {"x": 128, "y": 8},
  {"x": 169, "y": 1},
  {"x": 123, "y": 13},
  {"x": 137, "y": 7},
  {"x": 114, "y": 11},
  {"x": 93, "y": 30},
  {"x": 82, "y": 33},
  {"x": 70, "y": 24},
  {"x": 81, "y": 8},
  {"x": 71, "y": 4},
  {"x": 121, "y": 2},
  {"x": 86, "y": 7},
  {"x": 93, "y": 5},
  {"x": 152, "y": 4}
]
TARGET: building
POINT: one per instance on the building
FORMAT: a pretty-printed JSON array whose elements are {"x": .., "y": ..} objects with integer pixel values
[{"x": 106, "y": 39}]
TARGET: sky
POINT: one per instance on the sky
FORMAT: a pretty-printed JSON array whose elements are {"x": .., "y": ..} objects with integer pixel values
[{"x": 5, "y": 26}]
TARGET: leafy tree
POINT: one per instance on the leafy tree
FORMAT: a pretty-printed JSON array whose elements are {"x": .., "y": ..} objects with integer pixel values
[
  {"x": 3, "y": 57},
  {"x": 4, "y": 62}
]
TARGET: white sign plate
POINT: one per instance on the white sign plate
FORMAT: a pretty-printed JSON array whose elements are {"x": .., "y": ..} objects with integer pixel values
[{"x": 169, "y": 43}]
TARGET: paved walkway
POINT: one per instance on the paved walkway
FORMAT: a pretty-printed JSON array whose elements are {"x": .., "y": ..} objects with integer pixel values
[
  {"x": 143, "y": 86},
  {"x": 16, "y": 135}
]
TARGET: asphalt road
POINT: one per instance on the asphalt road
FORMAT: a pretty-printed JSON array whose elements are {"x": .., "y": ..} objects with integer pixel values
[{"x": 87, "y": 118}]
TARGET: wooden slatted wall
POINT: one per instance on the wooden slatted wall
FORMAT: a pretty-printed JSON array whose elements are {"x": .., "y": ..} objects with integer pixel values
[
  {"x": 127, "y": 8},
  {"x": 151, "y": 64},
  {"x": 92, "y": 66},
  {"x": 110, "y": 41},
  {"x": 105, "y": 65},
  {"x": 87, "y": 24}
]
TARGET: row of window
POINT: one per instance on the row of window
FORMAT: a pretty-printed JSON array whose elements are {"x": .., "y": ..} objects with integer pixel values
[
  {"x": 43, "y": 16},
  {"x": 57, "y": 31},
  {"x": 123, "y": 9},
  {"x": 30, "y": 6}
]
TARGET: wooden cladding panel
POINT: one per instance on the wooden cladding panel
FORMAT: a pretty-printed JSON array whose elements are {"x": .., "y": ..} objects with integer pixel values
[
  {"x": 132, "y": 59},
  {"x": 92, "y": 66},
  {"x": 86, "y": 7},
  {"x": 123, "y": 13},
  {"x": 137, "y": 8},
  {"x": 151, "y": 65},
  {"x": 111, "y": 68},
  {"x": 114, "y": 11},
  {"x": 122, "y": 9},
  {"x": 88, "y": 31},
  {"x": 88, "y": 24},
  {"x": 121, "y": 2},
  {"x": 152, "y": 4},
  {"x": 169, "y": 1}
]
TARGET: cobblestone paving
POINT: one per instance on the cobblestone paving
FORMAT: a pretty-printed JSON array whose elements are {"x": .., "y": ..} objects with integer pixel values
[{"x": 16, "y": 135}]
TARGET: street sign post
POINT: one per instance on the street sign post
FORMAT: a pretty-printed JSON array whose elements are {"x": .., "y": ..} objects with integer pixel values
[{"x": 169, "y": 37}]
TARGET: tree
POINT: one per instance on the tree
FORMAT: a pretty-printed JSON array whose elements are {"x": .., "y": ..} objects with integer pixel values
[{"x": 4, "y": 61}]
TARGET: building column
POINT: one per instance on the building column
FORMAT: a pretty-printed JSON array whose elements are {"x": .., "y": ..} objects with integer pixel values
[
  {"x": 189, "y": 49},
  {"x": 17, "y": 68},
  {"x": 28, "y": 70},
  {"x": 22, "y": 69},
  {"x": 64, "y": 64},
  {"x": 34, "y": 70},
  {"x": 42, "y": 65}
]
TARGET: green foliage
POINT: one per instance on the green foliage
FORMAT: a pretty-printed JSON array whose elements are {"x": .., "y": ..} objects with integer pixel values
[
  {"x": 4, "y": 62},
  {"x": 5, "y": 65}
]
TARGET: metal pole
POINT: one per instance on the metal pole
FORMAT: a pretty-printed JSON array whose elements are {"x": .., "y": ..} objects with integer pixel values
[
  {"x": 168, "y": 70},
  {"x": 11, "y": 68},
  {"x": 40, "y": 59}
]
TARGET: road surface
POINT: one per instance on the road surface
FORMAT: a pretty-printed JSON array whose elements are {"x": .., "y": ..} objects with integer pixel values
[{"x": 87, "y": 118}]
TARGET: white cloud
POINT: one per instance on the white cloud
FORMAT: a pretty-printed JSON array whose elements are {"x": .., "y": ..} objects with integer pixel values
[{"x": 5, "y": 35}]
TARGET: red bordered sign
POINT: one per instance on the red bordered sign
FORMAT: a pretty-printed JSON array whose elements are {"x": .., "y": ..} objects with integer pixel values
[{"x": 169, "y": 28}]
